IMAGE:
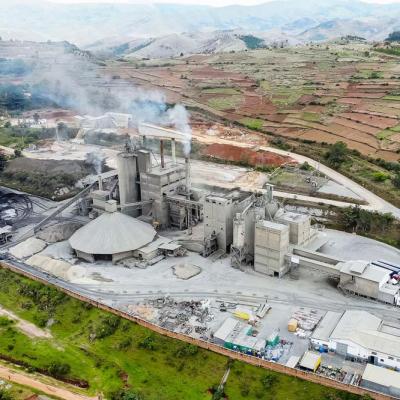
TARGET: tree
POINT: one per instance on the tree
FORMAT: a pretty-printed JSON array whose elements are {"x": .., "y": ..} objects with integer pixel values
[
  {"x": 337, "y": 154},
  {"x": 36, "y": 117},
  {"x": 3, "y": 162},
  {"x": 125, "y": 394},
  {"x": 58, "y": 369},
  {"x": 5, "y": 395},
  {"x": 396, "y": 181},
  {"x": 17, "y": 153}
]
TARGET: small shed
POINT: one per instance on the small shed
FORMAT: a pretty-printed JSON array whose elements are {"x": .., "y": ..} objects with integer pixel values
[{"x": 310, "y": 361}]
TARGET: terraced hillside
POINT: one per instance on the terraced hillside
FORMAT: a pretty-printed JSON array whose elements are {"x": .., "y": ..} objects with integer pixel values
[{"x": 320, "y": 93}]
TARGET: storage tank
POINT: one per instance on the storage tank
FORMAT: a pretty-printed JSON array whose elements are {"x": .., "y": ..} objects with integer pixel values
[{"x": 127, "y": 181}]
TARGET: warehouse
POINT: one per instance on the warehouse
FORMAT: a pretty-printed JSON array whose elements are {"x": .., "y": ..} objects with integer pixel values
[
  {"x": 381, "y": 380},
  {"x": 359, "y": 335},
  {"x": 362, "y": 277}
]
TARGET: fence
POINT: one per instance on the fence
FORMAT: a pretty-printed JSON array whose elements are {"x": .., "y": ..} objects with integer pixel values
[{"x": 311, "y": 377}]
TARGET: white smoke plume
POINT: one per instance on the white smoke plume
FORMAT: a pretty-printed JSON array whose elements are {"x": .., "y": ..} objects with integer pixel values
[
  {"x": 178, "y": 116},
  {"x": 97, "y": 160}
]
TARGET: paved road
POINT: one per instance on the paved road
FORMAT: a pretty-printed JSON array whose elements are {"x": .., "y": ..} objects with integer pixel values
[
  {"x": 32, "y": 381},
  {"x": 282, "y": 295},
  {"x": 375, "y": 202}
]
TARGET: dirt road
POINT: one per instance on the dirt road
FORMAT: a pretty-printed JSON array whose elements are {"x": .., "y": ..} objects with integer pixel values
[
  {"x": 27, "y": 380},
  {"x": 374, "y": 202},
  {"x": 26, "y": 327}
]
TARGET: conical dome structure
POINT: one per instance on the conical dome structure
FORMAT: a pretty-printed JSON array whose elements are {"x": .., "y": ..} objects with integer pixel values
[{"x": 111, "y": 236}]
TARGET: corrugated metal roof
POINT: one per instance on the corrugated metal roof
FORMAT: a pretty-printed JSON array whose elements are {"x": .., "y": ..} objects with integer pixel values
[
  {"x": 327, "y": 325},
  {"x": 370, "y": 272},
  {"x": 381, "y": 376},
  {"x": 226, "y": 328},
  {"x": 363, "y": 329},
  {"x": 310, "y": 360},
  {"x": 112, "y": 233}
]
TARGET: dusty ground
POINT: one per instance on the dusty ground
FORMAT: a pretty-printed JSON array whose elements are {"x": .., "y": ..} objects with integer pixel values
[
  {"x": 37, "y": 382},
  {"x": 26, "y": 327}
]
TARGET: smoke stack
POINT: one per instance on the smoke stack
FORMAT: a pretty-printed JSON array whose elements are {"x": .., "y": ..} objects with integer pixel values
[
  {"x": 100, "y": 180},
  {"x": 173, "y": 151},
  {"x": 162, "y": 153},
  {"x": 187, "y": 176}
]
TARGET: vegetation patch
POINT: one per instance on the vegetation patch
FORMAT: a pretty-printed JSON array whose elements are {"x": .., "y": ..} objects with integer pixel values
[
  {"x": 252, "y": 123},
  {"x": 224, "y": 103},
  {"x": 310, "y": 116}
]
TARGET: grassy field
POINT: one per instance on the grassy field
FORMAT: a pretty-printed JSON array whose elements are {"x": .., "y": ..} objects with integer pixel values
[
  {"x": 113, "y": 354},
  {"x": 252, "y": 123},
  {"x": 224, "y": 103}
]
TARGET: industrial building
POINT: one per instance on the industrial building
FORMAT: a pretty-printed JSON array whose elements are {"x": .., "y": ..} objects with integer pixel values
[
  {"x": 359, "y": 335},
  {"x": 111, "y": 236},
  {"x": 381, "y": 380},
  {"x": 236, "y": 335}
]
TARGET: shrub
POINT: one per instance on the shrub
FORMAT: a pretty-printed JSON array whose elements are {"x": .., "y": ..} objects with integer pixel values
[
  {"x": 379, "y": 176},
  {"x": 58, "y": 369}
]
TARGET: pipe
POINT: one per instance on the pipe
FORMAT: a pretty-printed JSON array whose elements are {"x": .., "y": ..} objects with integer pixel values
[
  {"x": 162, "y": 153},
  {"x": 173, "y": 151}
]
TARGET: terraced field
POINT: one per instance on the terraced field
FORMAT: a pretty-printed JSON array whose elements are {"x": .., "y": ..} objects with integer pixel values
[{"x": 322, "y": 93}]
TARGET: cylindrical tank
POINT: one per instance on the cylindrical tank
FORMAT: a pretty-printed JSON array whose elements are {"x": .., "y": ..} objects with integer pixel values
[
  {"x": 127, "y": 175},
  {"x": 238, "y": 232}
]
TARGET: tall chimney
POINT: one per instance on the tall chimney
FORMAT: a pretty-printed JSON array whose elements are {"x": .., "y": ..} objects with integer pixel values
[
  {"x": 162, "y": 153},
  {"x": 173, "y": 151},
  {"x": 100, "y": 180},
  {"x": 187, "y": 176}
]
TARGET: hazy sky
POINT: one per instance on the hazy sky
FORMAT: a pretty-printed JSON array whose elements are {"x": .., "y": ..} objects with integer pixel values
[{"x": 209, "y": 2}]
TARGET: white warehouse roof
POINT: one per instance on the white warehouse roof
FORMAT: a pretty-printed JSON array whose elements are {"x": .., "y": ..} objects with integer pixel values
[
  {"x": 112, "y": 233},
  {"x": 365, "y": 330},
  {"x": 381, "y": 376}
]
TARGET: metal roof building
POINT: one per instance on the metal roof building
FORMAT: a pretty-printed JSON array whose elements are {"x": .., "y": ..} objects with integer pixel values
[
  {"x": 359, "y": 335},
  {"x": 381, "y": 380},
  {"x": 111, "y": 236}
]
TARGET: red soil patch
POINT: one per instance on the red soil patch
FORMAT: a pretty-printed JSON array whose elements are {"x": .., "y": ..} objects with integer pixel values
[
  {"x": 245, "y": 156},
  {"x": 372, "y": 120},
  {"x": 256, "y": 105}
]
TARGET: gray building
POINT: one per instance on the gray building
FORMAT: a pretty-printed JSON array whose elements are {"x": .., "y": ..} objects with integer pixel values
[{"x": 271, "y": 244}]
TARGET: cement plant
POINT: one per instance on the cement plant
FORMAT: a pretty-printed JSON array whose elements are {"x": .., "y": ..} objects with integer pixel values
[{"x": 229, "y": 266}]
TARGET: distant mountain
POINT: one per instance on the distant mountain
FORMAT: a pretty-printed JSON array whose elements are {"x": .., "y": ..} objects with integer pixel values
[
  {"x": 368, "y": 28},
  {"x": 90, "y": 24}
]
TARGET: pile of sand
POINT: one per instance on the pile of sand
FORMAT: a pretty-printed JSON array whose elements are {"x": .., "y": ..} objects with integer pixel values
[
  {"x": 27, "y": 248},
  {"x": 55, "y": 267},
  {"x": 59, "y": 268},
  {"x": 58, "y": 232},
  {"x": 186, "y": 271}
]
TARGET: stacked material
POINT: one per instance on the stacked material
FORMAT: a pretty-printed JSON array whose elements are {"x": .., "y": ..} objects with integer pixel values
[
  {"x": 292, "y": 325},
  {"x": 307, "y": 320},
  {"x": 27, "y": 248}
]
